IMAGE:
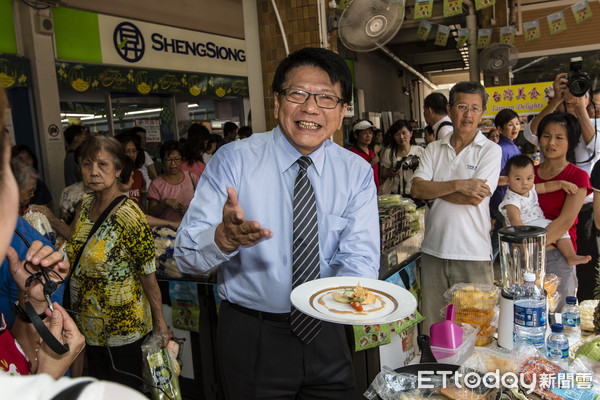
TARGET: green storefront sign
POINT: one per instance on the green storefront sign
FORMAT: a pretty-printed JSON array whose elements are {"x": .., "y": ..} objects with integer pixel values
[{"x": 88, "y": 77}]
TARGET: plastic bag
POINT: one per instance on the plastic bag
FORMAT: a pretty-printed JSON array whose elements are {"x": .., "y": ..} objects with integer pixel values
[
  {"x": 159, "y": 370},
  {"x": 41, "y": 224},
  {"x": 388, "y": 384}
]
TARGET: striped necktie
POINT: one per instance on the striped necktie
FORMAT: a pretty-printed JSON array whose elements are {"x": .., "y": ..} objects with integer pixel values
[{"x": 305, "y": 249}]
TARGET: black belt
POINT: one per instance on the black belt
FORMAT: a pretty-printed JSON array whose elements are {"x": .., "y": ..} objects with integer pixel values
[{"x": 267, "y": 316}]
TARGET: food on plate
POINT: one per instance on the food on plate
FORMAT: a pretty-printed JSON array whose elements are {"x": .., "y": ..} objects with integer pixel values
[
  {"x": 364, "y": 341},
  {"x": 355, "y": 297}
]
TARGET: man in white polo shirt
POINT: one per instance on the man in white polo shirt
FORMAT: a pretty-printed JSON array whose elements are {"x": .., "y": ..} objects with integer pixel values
[{"x": 456, "y": 177}]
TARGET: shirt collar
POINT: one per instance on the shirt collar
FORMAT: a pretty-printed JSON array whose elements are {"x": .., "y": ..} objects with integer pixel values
[
  {"x": 287, "y": 154},
  {"x": 479, "y": 139}
]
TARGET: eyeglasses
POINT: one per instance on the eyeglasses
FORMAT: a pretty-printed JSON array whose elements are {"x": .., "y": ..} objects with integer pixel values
[
  {"x": 175, "y": 160},
  {"x": 463, "y": 109},
  {"x": 298, "y": 96}
]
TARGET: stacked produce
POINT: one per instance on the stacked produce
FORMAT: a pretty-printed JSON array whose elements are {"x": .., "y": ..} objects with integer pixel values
[
  {"x": 476, "y": 305},
  {"x": 398, "y": 220}
]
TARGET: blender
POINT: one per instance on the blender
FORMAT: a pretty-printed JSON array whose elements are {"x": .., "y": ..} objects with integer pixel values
[{"x": 522, "y": 249}]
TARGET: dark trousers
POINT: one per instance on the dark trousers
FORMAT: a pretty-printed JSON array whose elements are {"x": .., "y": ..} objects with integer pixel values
[
  {"x": 261, "y": 359},
  {"x": 127, "y": 358},
  {"x": 586, "y": 245}
]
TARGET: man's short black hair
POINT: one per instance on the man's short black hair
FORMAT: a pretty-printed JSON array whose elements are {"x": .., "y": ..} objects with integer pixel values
[
  {"x": 519, "y": 161},
  {"x": 72, "y": 132},
  {"x": 469, "y": 87},
  {"x": 504, "y": 116},
  {"x": 327, "y": 60},
  {"x": 244, "y": 132},
  {"x": 437, "y": 102},
  {"x": 229, "y": 127}
]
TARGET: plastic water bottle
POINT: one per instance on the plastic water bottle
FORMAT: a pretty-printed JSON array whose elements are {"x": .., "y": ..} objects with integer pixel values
[
  {"x": 530, "y": 312},
  {"x": 571, "y": 320},
  {"x": 557, "y": 346}
]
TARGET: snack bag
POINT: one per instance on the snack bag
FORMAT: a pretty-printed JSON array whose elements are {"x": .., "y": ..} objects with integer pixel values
[{"x": 159, "y": 370}]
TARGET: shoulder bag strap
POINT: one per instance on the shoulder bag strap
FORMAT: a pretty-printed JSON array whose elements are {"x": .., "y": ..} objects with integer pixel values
[
  {"x": 97, "y": 224},
  {"x": 444, "y": 123},
  {"x": 191, "y": 179}
]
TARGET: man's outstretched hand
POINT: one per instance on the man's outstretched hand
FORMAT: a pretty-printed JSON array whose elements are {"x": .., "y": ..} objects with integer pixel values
[{"x": 235, "y": 231}]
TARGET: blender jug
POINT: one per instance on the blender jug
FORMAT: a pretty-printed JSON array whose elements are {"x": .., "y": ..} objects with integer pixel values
[{"x": 522, "y": 249}]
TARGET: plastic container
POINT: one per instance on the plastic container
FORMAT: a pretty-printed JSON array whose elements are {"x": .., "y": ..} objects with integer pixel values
[
  {"x": 530, "y": 312},
  {"x": 485, "y": 336},
  {"x": 474, "y": 316},
  {"x": 571, "y": 320},
  {"x": 553, "y": 301},
  {"x": 557, "y": 346},
  {"x": 498, "y": 358},
  {"x": 461, "y": 353},
  {"x": 551, "y": 283},
  {"x": 471, "y": 295}
]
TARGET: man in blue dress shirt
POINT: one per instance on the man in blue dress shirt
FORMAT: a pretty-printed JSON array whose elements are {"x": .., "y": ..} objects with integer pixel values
[{"x": 241, "y": 220}]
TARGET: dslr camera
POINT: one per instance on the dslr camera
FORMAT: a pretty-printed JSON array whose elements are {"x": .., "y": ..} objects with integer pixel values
[
  {"x": 579, "y": 82},
  {"x": 409, "y": 162}
]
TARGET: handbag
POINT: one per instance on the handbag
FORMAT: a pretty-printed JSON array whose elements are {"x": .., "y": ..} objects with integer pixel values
[{"x": 99, "y": 221}]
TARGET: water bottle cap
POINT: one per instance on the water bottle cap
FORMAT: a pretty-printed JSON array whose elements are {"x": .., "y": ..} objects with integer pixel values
[
  {"x": 557, "y": 328},
  {"x": 571, "y": 300},
  {"x": 529, "y": 277}
]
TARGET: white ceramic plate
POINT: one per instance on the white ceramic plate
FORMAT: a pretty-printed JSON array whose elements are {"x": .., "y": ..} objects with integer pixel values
[{"x": 315, "y": 299}]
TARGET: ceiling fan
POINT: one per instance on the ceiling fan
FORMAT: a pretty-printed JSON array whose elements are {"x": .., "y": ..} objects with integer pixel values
[
  {"x": 367, "y": 25},
  {"x": 499, "y": 59}
]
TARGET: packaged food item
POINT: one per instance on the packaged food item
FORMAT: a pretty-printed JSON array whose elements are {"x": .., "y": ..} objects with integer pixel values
[
  {"x": 551, "y": 283},
  {"x": 587, "y": 308},
  {"x": 41, "y": 224},
  {"x": 553, "y": 301},
  {"x": 159, "y": 369},
  {"x": 470, "y": 295},
  {"x": 498, "y": 358},
  {"x": 474, "y": 316},
  {"x": 485, "y": 336}
]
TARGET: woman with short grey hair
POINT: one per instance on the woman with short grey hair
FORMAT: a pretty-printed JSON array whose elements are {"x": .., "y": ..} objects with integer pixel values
[{"x": 26, "y": 178}]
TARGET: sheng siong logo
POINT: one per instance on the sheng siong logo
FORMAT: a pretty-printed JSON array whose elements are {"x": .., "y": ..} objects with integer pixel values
[{"x": 129, "y": 42}]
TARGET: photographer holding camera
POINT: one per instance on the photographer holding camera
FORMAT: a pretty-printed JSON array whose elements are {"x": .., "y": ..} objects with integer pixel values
[
  {"x": 399, "y": 160},
  {"x": 571, "y": 95}
]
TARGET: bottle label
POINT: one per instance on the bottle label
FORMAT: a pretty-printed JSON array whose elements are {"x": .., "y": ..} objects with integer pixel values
[
  {"x": 558, "y": 353},
  {"x": 530, "y": 316},
  {"x": 571, "y": 320}
]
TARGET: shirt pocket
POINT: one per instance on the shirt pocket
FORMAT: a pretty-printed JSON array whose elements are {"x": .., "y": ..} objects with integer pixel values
[{"x": 330, "y": 229}]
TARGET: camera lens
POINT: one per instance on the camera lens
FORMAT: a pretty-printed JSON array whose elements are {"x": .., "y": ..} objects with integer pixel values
[{"x": 578, "y": 84}]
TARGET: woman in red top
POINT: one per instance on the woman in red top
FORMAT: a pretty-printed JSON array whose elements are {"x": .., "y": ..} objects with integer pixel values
[
  {"x": 361, "y": 137},
  {"x": 559, "y": 134}
]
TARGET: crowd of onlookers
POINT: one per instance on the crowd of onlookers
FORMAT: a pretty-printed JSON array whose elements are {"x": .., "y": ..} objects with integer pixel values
[
  {"x": 116, "y": 192},
  {"x": 472, "y": 185},
  {"x": 544, "y": 172}
]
